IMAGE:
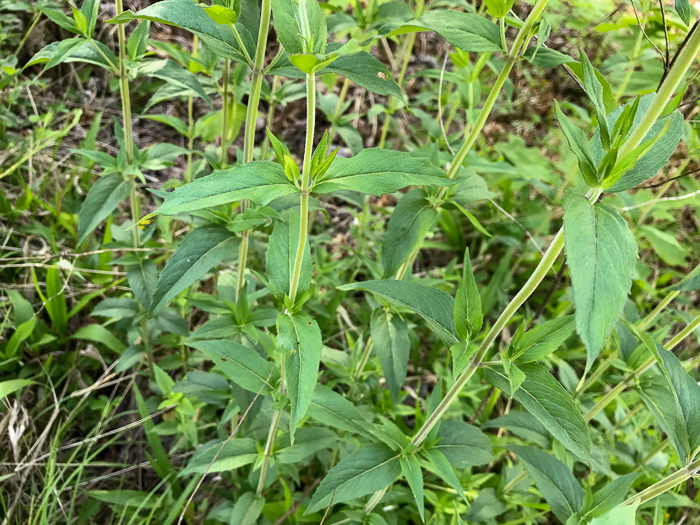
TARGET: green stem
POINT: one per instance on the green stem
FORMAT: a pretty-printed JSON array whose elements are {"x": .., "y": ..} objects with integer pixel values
[
  {"x": 225, "y": 109},
  {"x": 303, "y": 232},
  {"x": 126, "y": 114},
  {"x": 681, "y": 65},
  {"x": 629, "y": 378},
  {"x": 666, "y": 484},
  {"x": 190, "y": 119},
  {"x": 35, "y": 20},
  {"x": 305, "y": 179},
  {"x": 251, "y": 117}
]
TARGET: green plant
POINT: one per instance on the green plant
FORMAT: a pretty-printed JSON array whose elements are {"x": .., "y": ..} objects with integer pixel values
[{"x": 363, "y": 370}]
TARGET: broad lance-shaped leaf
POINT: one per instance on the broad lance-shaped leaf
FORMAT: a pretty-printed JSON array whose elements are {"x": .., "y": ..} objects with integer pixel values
[
  {"x": 200, "y": 251},
  {"x": 408, "y": 226},
  {"x": 299, "y": 337},
  {"x": 546, "y": 399},
  {"x": 687, "y": 392},
  {"x": 332, "y": 409},
  {"x": 543, "y": 339},
  {"x": 463, "y": 445},
  {"x": 367, "y": 470},
  {"x": 260, "y": 181},
  {"x": 379, "y": 171},
  {"x": 291, "y": 17},
  {"x": 410, "y": 469},
  {"x": 143, "y": 277},
  {"x": 233, "y": 454},
  {"x": 169, "y": 71},
  {"x": 243, "y": 365},
  {"x": 468, "y": 314},
  {"x": 102, "y": 199},
  {"x": 611, "y": 495},
  {"x": 391, "y": 342},
  {"x": 188, "y": 15},
  {"x": 625, "y": 515},
  {"x": 281, "y": 255},
  {"x": 601, "y": 253},
  {"x": 469, "y": 32},
  {"x": 657, "y": 157},
  {"x": 435, "y": 306},
  {"x": 553, "y": 479}
]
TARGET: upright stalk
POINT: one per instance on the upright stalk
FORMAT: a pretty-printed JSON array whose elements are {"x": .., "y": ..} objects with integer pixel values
[
  {"x": 270, "y": 117},
  {"x": 126, "y": 115},
  {"x": 666, "y": 484},
  {"x": 225, "y": 109},
  {"x": 681, "y": 65},
  {"x": 303, "y": 234},
  {"x": 190, "y": 119},
  {"x": 251, "y": 117}
]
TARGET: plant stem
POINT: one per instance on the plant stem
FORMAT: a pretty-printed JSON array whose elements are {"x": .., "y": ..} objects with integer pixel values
[
  {"x": 225, "y": 109},
  {"x": 627, "y": 380},
  {"x": 190, "y": 119},
  {"x": 250, "y": 119},
  {"x": 681, "y": 65},
  {"x": 305, "y": 179},
  {"x": 303, "y": 232},
  {"x": 126, "y": 115},
  {"x": 666, "y": 484}
]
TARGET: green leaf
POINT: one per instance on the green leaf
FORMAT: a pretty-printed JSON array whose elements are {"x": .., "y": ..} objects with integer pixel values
[
  {"x": 367, "y": 72},
  {"x": 299, "y": 338},
  {"x": 666, "y": 246},
  {"x": 486, "y": 506},
  {"x": 307, "y": 442},
  {"x": 601, "y": 254},
  {"x": 410, "y": 469},
  {"x": 89, "y": 10},
  {"x": 236, "y": 453},
  {"x": 22, "y": 333},
  {"x": 97, "y": 333},
  {"x": 522, "y": 424},
  {"x": 611, "y": 495},
  {"x": 247, "y": 509},
  {"x": 620, "y": 516},
  {"x": 56, "y": 300},
  {"x": 379, "y": 171},
  {"x": 137, "y": 44},
  {"x": 64, "y": 50},
  {"x": 408, "y": 226},
  {"x": 657, "y": 157},
  {"x": 687, "y": 392},
  {"x": 244, "y": 366},
  {"x": 390, "y": 335},
  {"x": 281, "y": 256},
  {"x": 690, "y": 282},
  {"x": 222, "y": 15},
  {"x": 553, "y": 479},
  {"x": 13, "y": 385},
  {"x": 200, "y": 251},
  {"x": 546, "y": 58},
  {"x": 367, "y": 470},
  {"x": 463, "y": 445},
  {"x": 546, "y": 399},
  {"x": 189, "y": 16},
  {"x": 332, "y": 409},
  {"x": 580, "y": 146},
  {"x": 259, "y": 181},
  {"x": 435, "y": 461},
  {"x": 294, "y": 19},
  {"x": 499, "y": 8},
  {"x": 435, "y": 306},
  {"x": 102, "y": 199},
  {"x": 468, "y": 32},
  {"x": 543, "y": 339},
  {"x": 468, "y": 316},
  {"x": 142, "y": 278},
  {"x": 594, "y": 89},
  {"x": 172, "y": 73},
  {"x": 683, "y": 10}
]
